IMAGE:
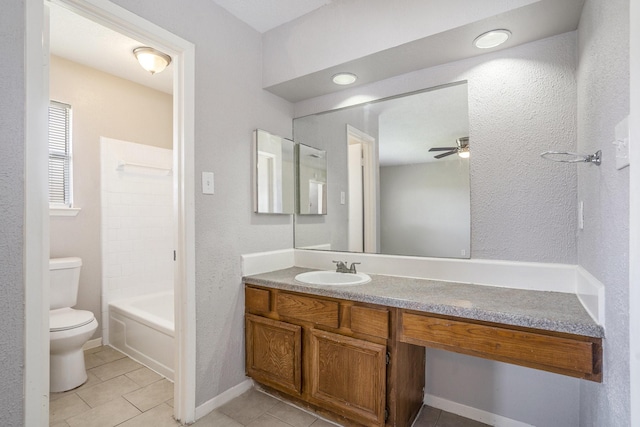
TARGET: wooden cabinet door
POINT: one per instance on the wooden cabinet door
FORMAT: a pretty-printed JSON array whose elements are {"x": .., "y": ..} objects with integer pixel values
[
  {"x": 348, "y": 376},
  {"x": 273, "y": 353}
]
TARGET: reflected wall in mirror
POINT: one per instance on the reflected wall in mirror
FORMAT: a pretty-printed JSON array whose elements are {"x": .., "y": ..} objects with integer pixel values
[
  {"x": 274, "y": 181},
  {"x": 312, "y": 180},
  {"x": 388, "y": 193}
]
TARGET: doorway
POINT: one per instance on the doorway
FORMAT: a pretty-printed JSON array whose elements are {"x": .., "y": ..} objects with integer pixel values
[
  {"x": 362, "y": 191},
  {"x": 182, "y": 53}
]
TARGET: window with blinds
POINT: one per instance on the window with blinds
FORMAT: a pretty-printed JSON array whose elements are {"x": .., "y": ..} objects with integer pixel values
[{"x": 60, "y": 154}]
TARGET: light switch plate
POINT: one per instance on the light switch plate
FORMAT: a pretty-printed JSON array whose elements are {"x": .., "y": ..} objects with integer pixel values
[
  {"x": 207, "y": 182},
  {"x": 622, "y": 144}
]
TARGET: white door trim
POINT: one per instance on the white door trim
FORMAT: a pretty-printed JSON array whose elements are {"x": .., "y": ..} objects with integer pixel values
[
  {"x": 183, "y": 55},
  {"x": 36, "y": 217},
  {"x": 634, "y": 212},
  {"x": 369, "y": 190}
]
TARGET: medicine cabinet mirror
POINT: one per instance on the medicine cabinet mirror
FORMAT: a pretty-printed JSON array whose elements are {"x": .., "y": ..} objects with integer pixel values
[
  {"x": 312, "y": 180},
  {"x": 274, "y": 186},
  {"x": 388, "y": 193}
]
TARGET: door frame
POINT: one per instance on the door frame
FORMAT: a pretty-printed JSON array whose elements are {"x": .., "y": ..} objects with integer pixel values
[
  {"x": 37, "y": 209},
  {"x": 369, "y": 190},
  {"x": 634, "y": 212}
]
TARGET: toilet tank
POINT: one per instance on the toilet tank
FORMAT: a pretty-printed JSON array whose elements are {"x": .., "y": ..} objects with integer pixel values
[{"x": 64, "y": 277}]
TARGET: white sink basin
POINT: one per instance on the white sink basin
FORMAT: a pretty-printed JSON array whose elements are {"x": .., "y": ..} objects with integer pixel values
[{"x": 332, "y": 278}]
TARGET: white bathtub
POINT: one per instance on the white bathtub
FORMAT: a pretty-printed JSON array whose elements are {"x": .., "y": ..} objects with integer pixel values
[{"x": 143, "y": 329}]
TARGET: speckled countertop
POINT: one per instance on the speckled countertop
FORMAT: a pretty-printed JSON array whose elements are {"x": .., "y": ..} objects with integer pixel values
[{"x": 550, "y": 311}]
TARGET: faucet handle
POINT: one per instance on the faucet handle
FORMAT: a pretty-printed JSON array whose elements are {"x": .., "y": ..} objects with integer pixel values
[
  {"x": 352, "y": 269},
  {"x": 341, "y": 267}
]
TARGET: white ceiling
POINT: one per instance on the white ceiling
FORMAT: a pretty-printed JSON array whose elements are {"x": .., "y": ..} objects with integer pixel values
[
  {"x": 83, "y": 41},
  {"x": 264, "y": 15}
]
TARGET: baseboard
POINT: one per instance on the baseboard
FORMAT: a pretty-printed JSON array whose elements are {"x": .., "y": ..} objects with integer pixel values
[
  {"x": 223, "y": 398},
  {"x": 92, "y": 344},
  {"x": 472, "y": 413}
]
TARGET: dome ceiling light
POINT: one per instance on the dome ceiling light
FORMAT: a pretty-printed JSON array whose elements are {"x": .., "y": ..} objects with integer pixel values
[
  {"x": 491, "y": 39},
  {"x": 151, "y": 59}
]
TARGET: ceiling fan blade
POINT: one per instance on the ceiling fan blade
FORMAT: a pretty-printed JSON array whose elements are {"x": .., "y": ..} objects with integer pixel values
[
  {"x": 443, "y": 148},
  {"x": 439, "y": 156}
]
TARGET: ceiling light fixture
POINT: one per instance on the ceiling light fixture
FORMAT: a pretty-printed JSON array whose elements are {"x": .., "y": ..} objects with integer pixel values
[
  {"x": 151, "y": 59},
  {"x": 463, "y": 147},
  {"x": 344, "y": 78},
  {"x": 491, "y": 39}
]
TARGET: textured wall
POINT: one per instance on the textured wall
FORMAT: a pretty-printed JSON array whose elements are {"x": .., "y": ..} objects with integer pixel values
[
  {"x": 12, "y": 138},
  {"x": 603, "y": 245},
  {"x": 229, "y": 105},
  {"x": 522, "y": 101},
  {"x": 102, "y": 105}
]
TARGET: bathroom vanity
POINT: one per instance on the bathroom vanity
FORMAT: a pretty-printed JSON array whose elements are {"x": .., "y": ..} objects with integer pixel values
[{"x": 356, "y": 354}]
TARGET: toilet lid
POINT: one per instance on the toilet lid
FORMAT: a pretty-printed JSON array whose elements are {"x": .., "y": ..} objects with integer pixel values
[{"x": 63, "y": 319}]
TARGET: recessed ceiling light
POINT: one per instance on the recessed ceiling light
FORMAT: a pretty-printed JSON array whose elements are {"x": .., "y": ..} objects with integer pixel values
[
  {"x": 491, "y": 39},
  {"x": 344, "y": 78}
]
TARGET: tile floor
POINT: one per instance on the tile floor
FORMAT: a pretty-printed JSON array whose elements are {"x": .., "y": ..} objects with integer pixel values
[{"x": 121, "y": 392}]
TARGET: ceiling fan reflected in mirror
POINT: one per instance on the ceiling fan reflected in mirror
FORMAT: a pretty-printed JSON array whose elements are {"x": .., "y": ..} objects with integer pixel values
[{"x": 462, "y": 149}]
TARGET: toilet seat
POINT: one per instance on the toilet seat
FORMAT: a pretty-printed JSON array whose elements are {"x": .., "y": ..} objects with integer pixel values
[{"x": 64, "y": 319}]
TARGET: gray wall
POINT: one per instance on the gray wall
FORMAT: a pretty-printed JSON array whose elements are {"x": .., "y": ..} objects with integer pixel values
[
  {"x": 12, "y": 137},
  {"x": 424, "y": 209},
  {"x": 329, "y": 132},
  {"x": 229, "y": 105},
  {"x": 603, "y": 245},
  {"x": 522, "y": 101}
]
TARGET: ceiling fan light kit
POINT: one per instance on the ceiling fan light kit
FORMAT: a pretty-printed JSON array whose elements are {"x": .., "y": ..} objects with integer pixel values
[{"x": 461, "y": 148}]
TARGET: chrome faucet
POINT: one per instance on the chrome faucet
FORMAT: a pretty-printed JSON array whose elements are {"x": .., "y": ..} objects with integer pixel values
[{"x": 341, "y": 267}]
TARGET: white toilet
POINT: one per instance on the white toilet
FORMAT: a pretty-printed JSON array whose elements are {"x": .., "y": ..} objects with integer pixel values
[{"x": 69, "y": 329}]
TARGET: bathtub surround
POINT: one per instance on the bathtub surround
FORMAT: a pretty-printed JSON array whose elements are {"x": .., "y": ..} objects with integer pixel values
[{"x": 137, "y": 222}]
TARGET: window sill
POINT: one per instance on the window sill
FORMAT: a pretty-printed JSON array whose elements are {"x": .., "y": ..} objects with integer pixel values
[{"x": 63, "y": 211}]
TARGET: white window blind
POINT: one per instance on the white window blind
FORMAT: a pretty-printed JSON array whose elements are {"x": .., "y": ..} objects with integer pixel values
[{"x": 60, "y": 154}]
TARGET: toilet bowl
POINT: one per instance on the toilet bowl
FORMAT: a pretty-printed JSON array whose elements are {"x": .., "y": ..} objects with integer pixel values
[{"x": 69, "y": 329}]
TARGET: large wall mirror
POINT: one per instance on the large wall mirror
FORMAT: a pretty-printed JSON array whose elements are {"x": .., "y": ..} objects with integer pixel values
[{"x": 397, "y": 176}]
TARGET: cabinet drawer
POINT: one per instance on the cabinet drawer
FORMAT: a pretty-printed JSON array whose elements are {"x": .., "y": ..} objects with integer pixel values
[
  {"x": 553, "y": 353},
  {"x": 257, "y": 300},
  {"x": 370, "y": 321},
  {"x": 309, "y": 309}
]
